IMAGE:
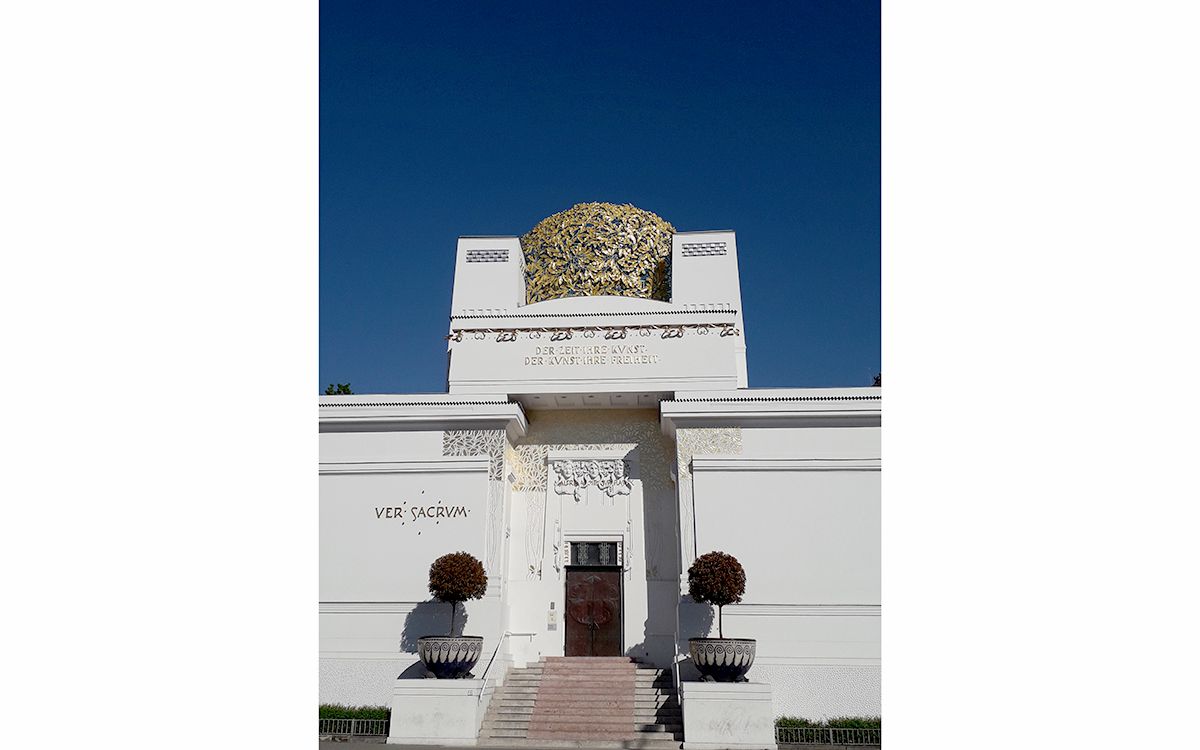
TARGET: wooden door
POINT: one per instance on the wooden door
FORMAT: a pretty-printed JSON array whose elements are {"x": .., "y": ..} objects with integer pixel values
[{"x": 593, "y": 611}]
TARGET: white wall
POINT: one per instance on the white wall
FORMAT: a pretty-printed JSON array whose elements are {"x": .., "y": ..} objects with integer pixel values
[
  {"x": 374, "y": 562},
  {"x": 809, "y": 442},
  {"x": 704, "y": 274},
  {"x": 800, "y": 509},
  {"x": 798, "y": 505},
  {"x": 804, "y": 536},
  {"x": 488, "y": 275},
  {"x": 377, "y": 537},
  {"x": 379, "y": 445},
  {"x": 534, "y": 363}
]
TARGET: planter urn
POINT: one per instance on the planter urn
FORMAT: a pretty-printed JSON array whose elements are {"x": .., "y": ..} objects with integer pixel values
[
  {"x": 450, "y": 657},
  {"x": 722, "y": 659}
]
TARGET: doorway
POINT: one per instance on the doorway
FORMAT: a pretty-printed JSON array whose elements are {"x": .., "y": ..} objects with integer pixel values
[{"x": 593, "y": 617}]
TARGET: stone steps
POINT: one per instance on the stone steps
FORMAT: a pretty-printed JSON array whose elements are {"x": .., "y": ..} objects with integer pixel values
[
  {"x": 641, "y": 743},
  {"x": 600, "y": 724},
  {"x": 569, "y": 702}
]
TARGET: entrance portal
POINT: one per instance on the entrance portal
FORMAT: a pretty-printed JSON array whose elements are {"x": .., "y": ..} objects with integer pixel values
[{"x": 593, "y": 617}]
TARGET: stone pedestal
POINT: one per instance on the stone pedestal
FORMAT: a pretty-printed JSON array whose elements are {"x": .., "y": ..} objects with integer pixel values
[
  {"x": 436, "y": 712},
  {"x": 727, "y": 715}
]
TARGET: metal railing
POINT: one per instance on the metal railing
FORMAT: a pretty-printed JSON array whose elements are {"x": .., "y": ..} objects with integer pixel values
[
  {"x": 826, "y": 736},
  {"x": 491, "y": 661},
  {"x": 354, "y": 727}
]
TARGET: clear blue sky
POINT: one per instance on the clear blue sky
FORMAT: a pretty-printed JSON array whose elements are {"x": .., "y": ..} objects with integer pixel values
[{"x": 451, "y": 118}]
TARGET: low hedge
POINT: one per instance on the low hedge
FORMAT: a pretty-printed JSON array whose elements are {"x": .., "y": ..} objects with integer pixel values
[
  {"x": 338, "y": 711},
  {"x": 837, "y": 722}
]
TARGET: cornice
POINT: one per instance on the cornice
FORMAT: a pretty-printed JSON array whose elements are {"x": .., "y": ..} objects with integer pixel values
[
  {"x": 803, "y": 610},
  {"x": 770, "y": 399},
  {"x": 385, "y": 413},
  {"x": 592, "y": 454},
  {"x": 750, "y": 463},
  {"x": 366, "y": 608},
  {"x": 410, "y": 403},
  {"x": 810, "y": 407},
  {"x": 839, "y": 662},
  {"x": 610, "y": 314},
  {"x": 442, "y": 465}
]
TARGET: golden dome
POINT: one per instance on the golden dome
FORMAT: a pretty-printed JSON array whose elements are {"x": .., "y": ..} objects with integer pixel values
[{"x": 598, "y": 248}]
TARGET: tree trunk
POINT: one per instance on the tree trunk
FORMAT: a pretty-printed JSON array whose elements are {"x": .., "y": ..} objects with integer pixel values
[
  {"x": 453, "y": 607},
  {"x": 720, "y": 622}
]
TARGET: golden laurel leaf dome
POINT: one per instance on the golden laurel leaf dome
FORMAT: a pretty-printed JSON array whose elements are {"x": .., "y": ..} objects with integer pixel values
[{"x": 595, "y": 249}]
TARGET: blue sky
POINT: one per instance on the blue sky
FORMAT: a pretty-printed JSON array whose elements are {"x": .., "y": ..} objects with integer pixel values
[{"x": 447, "y": 119}]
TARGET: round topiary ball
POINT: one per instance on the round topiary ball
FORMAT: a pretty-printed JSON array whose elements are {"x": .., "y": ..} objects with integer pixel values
[
  {"x": 716, "y": 578},
  {"x": 457, "y": 577}
]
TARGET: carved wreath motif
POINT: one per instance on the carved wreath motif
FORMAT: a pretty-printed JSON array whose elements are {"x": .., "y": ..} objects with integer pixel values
[{"x": 574, "y": 477}]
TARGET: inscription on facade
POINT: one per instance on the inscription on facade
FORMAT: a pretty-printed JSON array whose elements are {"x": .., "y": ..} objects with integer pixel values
[
  {"x": 407, "y": 514},
  {"x": 566, "y": 355}
]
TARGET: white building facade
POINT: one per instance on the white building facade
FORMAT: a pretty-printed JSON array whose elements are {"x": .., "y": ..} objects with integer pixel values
[{"x": 598, "y": 417}]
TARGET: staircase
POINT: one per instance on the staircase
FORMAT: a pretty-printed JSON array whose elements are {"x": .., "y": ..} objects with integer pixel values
[{"x": 582, "y": 701}]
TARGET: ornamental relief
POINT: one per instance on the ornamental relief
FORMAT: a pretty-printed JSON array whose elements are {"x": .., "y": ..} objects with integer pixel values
[
  {"x": 490, "y": 443},
  {"x": 704, "y": 442},
  {"x": 572, "y": 477},
  {"x": 607, "y": 430}
]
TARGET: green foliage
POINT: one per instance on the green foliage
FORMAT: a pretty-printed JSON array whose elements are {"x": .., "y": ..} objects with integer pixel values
[
  {"x": 341, "y": 389},
  {"x": 837, "y": 722},
  {"x": 854, "y": 722},
  {"x": 795, "y": 721},
  {"x": 338, "y": 711}
]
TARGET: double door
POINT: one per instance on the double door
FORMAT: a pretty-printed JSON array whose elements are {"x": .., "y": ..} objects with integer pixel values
[{"x": 593, "y": 611}]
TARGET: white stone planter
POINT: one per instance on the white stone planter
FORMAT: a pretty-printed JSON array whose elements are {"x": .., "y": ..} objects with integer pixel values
[
  {"x": 436, "y": 712},
  {"x": 726, "y": 716}
]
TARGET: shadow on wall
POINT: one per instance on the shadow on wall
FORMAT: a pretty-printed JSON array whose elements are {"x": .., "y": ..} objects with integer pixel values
[
  {"x": 430, "y": 618},
  {"x": 637, "y": 651},
  {"x": 695, "y": 621}
]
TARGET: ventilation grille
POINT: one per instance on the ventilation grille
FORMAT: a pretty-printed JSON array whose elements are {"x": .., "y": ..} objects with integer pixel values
[
  {"x": 487, "y": 256},
  {"x": 691, "y": 249}
]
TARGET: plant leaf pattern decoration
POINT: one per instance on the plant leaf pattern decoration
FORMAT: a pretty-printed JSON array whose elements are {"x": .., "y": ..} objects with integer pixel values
[{"x": 594, "y": 249}]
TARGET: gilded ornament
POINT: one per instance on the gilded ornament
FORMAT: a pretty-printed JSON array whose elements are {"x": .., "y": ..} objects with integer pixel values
[{"x": 594, "y": 249}]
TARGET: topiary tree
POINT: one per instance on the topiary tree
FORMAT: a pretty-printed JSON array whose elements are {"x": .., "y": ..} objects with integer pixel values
[
  {"x": 455, "y": 578},
  {"x": 717, "y": 578}
]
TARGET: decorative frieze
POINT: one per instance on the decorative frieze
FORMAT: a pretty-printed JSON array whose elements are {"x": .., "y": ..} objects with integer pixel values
[
  {"x": 609, "y": 333},
  {"x": 488, "y": 443},
  {"x": 705, "y": 441},
  {"x": 574, "y": 477}
]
